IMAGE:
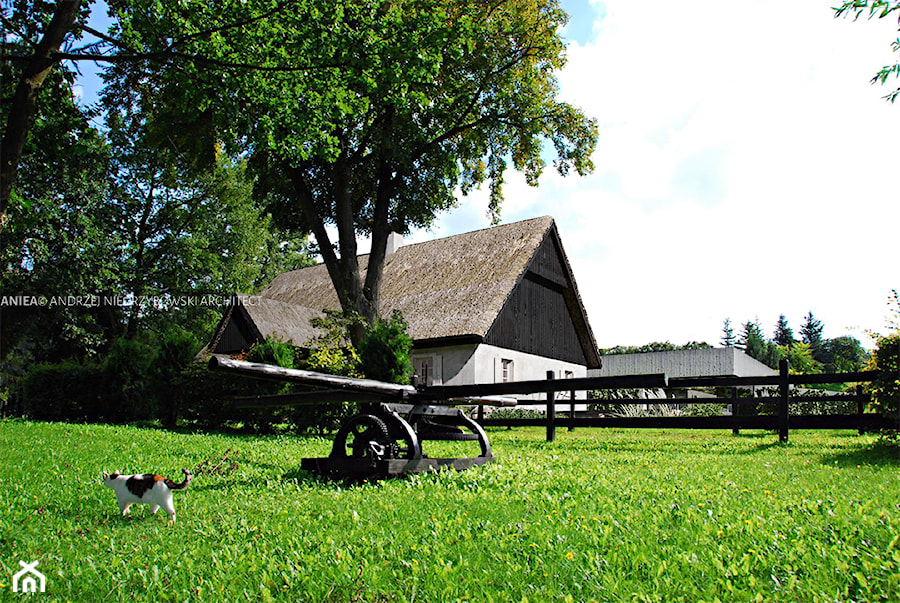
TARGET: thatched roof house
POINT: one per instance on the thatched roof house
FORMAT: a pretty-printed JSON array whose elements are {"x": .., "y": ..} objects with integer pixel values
[{"x": 509, "y": 288}]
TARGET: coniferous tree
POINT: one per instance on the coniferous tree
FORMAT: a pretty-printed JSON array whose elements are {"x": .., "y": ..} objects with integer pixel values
[
  {"x": 811, "y": 334},
  {"x": 752, "y": 339},
  {"x": 784, "y": 335},
  {"x": 728, "y": 338},
  {"x": 754, "y": 343}
]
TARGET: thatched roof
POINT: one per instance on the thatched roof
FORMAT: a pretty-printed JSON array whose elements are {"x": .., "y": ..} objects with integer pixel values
[{"x": 445, "y": 288}]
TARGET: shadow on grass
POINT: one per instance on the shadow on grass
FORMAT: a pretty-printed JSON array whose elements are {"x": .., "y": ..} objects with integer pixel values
[{"x": 879, "y": 454}]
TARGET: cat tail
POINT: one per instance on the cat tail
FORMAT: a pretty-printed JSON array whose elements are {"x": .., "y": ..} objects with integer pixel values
[{"x": 187, "y": 479}]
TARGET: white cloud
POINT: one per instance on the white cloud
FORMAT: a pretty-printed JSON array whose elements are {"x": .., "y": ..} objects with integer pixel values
[{"x": 745, "y": 168}]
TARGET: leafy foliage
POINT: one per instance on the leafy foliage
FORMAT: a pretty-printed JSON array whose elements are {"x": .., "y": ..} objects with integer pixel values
[
  {"x": 364, "y": 115},
  {"x": 843, "y": 354},
  {"x": 385, "y": 350},
  {"x": 705, "y": 410},
  {"x": 800, "y": 358},
  {"x": 886, "y": 389},
  {"x": 57, "y": 239},
  {"x": 272, "y": 351},
  {"x": 332, "y": 351},
  {"x": 880, "y": 9}
]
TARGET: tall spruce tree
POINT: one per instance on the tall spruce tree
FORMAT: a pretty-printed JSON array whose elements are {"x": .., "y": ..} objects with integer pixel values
[
  {"x": 728, "y": 337},
  {"x": 811, "y": 334},
  {"x": 784, "y": 335}
]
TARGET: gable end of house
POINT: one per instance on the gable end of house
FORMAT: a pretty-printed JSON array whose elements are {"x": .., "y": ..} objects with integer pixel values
[{"x": 543, "y": 314}]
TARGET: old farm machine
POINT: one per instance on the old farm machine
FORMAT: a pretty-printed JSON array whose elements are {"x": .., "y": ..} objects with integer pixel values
[{"x": 384, "y": 438}]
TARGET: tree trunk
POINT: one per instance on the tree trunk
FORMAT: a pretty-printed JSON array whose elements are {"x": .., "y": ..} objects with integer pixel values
[
  {"x": 381, "y": 229},
  {"x": 343, "y": 270},
  {"x": 23, "y": 104},
  {"x": 354, "y": 294}
]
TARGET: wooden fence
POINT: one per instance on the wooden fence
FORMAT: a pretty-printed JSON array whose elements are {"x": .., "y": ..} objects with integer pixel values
[{"x": 782, "y": 421}]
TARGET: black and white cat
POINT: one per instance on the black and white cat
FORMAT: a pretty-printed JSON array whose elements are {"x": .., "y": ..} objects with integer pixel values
[{"x": 145, "y": 488}]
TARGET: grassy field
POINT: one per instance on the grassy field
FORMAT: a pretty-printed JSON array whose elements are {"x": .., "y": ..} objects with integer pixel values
[{"x": 597, "y": 515}]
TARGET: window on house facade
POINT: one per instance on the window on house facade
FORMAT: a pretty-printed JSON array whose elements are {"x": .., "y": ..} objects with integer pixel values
[
  {"x": 423, "y": 366},
  {"x": 506, "y": 370}
]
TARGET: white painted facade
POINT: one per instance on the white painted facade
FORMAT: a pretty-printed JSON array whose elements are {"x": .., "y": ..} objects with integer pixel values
[{"x": 481, "y": 363}]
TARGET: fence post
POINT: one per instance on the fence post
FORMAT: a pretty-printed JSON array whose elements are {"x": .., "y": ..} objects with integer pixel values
[
  {"x": 572, "y": 411},
  {"x": 551, "y": 411},
  {"x": 860, "y": 406},
  {"x": 734, "y": 410},
  {"x": 784, "y": 390}
]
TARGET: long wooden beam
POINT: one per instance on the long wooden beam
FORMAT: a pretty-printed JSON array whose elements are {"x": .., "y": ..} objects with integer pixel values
[
  {"x": 478, "y": 393},
  {"x": 438, "y": 392},
  {"x": 277, "y": 373},
  {"x": 307, "y": 398}
]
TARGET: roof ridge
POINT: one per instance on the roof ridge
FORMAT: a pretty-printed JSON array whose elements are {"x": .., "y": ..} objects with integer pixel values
[{"x": 477, "y": 230}]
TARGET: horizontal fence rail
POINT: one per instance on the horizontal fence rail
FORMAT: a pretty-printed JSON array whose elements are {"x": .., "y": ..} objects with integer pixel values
[
  {"x": 782, "y": 421},
  {"x": 334, "y": 388}
]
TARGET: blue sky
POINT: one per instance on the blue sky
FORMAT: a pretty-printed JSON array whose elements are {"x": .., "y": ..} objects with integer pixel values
[{"x": 745, "y": 168}]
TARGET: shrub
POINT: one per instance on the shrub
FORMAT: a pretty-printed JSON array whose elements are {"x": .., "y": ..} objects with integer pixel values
[
  {"x": 517, "y": 413},
  {"x": 707, "y": 409},
  {"x": 129, "y": 376},
  {"x": 272, "y": 351},
  {"x": 385, "y": 350},
  {"x": 174, "y": 353},
  {"x": 67, "y": 391},
  {"x": 885, "y": 390},
  {"x": 331, "y": 352}
]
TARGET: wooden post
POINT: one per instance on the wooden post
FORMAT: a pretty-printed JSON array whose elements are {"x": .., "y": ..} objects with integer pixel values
[
  {"x": 860, "y": 406},
  {"x": 572, "y": 411},
  {"x": 551, "y": 411},
  {"x": 784, "y": 390},
  {"x": 734, "y": 410}
]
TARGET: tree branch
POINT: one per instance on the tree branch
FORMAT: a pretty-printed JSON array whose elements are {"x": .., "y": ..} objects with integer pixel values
[{"x": 23, "y": 105}]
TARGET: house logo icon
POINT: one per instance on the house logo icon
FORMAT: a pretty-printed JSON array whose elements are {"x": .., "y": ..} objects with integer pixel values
[{"x": 28, "y": 579}]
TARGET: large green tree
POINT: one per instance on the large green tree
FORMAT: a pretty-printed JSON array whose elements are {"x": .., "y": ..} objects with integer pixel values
[
  {"x": 104, "y": 215},
  {"x": 40, "y": 36},
  {"x": 375, "y": 113},
  {"x": 58, "y": 241},
  {"x": 183, "y": 234},
  {"x": 843, "y": 354}
]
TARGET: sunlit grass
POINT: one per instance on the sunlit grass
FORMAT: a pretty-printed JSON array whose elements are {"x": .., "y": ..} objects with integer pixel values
[{"x": 596, "y": 515}]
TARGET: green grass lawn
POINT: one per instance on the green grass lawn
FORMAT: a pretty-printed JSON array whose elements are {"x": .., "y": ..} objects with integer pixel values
[{"x": 597, "y": 515}]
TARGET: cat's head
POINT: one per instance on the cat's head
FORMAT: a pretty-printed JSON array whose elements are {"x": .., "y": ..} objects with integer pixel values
[{"x": 108, "y": 478}]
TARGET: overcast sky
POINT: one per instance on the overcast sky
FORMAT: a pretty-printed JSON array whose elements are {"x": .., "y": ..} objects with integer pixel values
[{"x": 745, "y": 168}]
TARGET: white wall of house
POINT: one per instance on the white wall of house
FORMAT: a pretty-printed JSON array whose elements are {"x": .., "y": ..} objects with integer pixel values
[{"x": 469, "y": 364}]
